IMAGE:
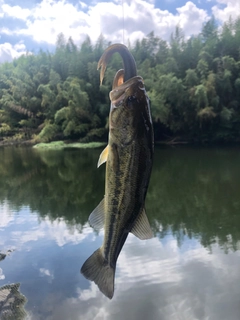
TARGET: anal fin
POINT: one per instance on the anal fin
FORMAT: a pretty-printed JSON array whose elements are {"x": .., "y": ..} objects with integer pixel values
[{"x": 141, "y": 227}]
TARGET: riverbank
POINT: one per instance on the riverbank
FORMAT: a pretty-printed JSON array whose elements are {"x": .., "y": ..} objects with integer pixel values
[
  {"x": 5, "y": 143},
  {"x": 174, "y": 141},
  {"x": 58, "y": 145},
  {"x": 52, "y": 145}
]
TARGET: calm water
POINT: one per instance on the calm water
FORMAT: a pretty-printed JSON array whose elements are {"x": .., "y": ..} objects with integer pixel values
[{"x": 189, "y": 270}]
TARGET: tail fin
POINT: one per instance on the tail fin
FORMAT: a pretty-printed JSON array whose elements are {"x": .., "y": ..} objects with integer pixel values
[{"x": 96, "y": 269}]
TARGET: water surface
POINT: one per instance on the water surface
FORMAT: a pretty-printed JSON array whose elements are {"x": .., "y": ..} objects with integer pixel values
[{"x": 189, "y": 270}]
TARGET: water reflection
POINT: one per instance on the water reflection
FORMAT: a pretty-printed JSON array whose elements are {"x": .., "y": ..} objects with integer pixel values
[
  {"x": 11, "y": 300},
  {"x": 195, "y": 192},
  {"x": 170, "y": 285},
  {"x": 182, "y": 273},
  {"x": 55, "y": 184}
]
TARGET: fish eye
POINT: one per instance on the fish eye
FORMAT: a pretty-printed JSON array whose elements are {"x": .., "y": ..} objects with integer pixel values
[{"x": 131, "y": 100}]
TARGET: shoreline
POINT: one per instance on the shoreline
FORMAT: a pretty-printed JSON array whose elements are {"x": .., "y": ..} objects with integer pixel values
[
  {"x": 60, "y": 144},
  {"x": 4, "y": 143}
]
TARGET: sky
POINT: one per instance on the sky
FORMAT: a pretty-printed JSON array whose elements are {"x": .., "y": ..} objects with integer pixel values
[{"x": 30, "y": 25}]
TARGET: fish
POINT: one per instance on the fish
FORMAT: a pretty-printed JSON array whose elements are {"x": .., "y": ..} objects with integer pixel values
[{"x": 129, "y": 159}]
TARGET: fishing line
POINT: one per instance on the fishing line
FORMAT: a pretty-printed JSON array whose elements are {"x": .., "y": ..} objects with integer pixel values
[{"x": 123, "y": 26}]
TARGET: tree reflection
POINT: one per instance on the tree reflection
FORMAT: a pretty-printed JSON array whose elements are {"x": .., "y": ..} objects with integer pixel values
[
  {"x": 193, "y": 192},
  {"x": 57, "y": 184}
]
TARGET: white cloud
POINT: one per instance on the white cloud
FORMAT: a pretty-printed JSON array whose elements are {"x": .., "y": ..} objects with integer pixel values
[
  {"x": 48, "y": 18},
  {"x": 191, "y": 18},
  {"x": 83, "y": 5},
  {"x": 140, "y": 18},
  {"x": 15, "y": 12},
  {"x": 20, "y": 47},
  {"x": 8, "y": 51},
  {"x": 231, "y": 9}
]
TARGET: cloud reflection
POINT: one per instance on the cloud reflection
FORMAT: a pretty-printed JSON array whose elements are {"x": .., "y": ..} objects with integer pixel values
[
  {"x": 162, "y": 282},
  {"x": 6, "y": 215},
  {"x": 155, "y": 279},
  {"x": 2, "y": 276},
  {"x": 33, "y": 229},
  {"x": 55, "y": 231},
  {"x": 47, "y": 273}
]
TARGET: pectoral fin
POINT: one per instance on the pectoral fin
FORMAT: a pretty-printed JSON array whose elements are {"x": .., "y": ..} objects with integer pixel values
[
  {"x": 141, "y": 227},
  {"x": 96, "y": 218},
  {"x": 103, "y": 157}
]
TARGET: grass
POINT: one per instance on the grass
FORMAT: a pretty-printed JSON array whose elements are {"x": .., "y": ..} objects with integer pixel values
[{"x": 58, "y": 145}]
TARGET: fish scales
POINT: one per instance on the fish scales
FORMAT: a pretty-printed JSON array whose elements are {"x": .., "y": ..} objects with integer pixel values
[
  {"x": 124, "y": 194},
  {"x": 128, "y": 158}
]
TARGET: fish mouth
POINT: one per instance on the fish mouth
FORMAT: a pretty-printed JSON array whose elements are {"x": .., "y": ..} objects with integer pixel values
[
  {"x": 128, "y": 61},
  {"x": 131, "y": 88}
]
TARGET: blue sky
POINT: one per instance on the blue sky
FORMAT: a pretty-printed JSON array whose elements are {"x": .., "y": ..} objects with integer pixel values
[{"x": 28, "y": 25}]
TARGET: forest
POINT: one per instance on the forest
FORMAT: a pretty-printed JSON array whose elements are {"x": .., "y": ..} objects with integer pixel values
[{"x": 193, "y": 84}]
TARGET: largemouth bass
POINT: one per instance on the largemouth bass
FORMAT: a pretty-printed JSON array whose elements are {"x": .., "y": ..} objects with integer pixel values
[{"x": 128, "y": 157}]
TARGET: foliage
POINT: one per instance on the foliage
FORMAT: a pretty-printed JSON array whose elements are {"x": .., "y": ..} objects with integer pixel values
[
  {"x": 48, "y": 132},
  {"x": 193, "y": 84}
]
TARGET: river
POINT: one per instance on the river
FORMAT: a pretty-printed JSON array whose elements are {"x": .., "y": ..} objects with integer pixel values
[{"x": 189, "y": 270}]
